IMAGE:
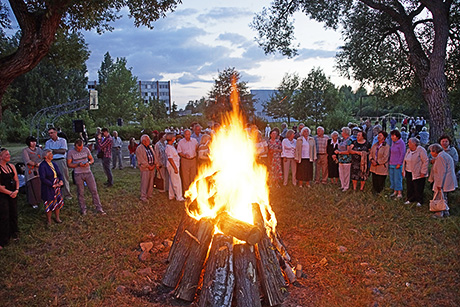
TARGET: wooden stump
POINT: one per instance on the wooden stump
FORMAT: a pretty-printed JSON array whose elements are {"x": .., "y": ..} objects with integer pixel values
[
  {"x": 246, "y": 282},
  {"x": 194, "y": 265},
  {"x": 271, "y": 277},
  {"x": 238, "y": 229},
  {"x": 179, "y": 251},
  {"x": 219, "y": 279}
]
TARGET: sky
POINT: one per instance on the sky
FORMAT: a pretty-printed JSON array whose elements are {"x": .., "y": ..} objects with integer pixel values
[{"x": 191, "y": 45}]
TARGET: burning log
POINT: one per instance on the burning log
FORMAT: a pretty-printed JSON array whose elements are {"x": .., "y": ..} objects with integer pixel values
[
  {"x": 238, "y": 229},
  {"x": 278, "y": 243},
  {"x": 246, "y": 284},
  {"x": 196, "y": 257},
  {"x": 179, "y": 251},
  {"x": 272, "y": 279},
  {"x": 219, "y": 279}
]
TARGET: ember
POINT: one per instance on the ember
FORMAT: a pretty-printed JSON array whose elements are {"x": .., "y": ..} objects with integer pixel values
[{"x": 227, "y": 244}]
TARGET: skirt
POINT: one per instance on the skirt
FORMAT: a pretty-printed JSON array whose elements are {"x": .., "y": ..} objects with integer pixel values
[
  {"x": 57, "y": 202},
  {"x": 304, "y": 170},
  {"x": 34, "y": 194}
]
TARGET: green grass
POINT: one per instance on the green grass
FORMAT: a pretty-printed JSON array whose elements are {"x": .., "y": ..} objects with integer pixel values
[{"x": 396, "y": 255}]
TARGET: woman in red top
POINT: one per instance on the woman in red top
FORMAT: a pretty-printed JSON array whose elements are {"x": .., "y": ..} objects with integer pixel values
[{"x": 132, "y": 152}]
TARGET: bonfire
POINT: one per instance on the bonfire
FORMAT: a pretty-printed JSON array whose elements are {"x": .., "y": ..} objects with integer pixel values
[{"x": 226, "y": 250}]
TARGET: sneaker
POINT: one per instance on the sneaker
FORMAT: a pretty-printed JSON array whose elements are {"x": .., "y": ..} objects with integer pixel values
[
  {"x": 84, "y": 212},
  {"x": 68, "y": 197},
  {"x": 399, "y": 196},
  {"x": 407, "y": 203},
  {"x": 35, "y": 206},
  {"x": 102, "y": 212},
  {"x": 393, "y": 195},
  {"x": 418, "y": 205}
]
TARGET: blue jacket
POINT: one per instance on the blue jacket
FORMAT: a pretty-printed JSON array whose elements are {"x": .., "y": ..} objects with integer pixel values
[{"x": 47, "y": 179}]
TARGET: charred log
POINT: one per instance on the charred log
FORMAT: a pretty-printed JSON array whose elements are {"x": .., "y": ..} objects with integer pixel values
[
  {"x": 246, "y": 282},
  {"x": 238, "y": 229}
]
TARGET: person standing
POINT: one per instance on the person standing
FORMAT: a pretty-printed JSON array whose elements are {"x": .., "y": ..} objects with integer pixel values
[
  {"x": 105, "y": 145},
  {"x": 415, "y": 169},
  {"x": 197, "y": 135},
  {"x": 344, "y": 158},
  {"x": 321, "y": 150},
  {"x": 52, "y": 181},
  {"x": 332, "y": 161},
  {"x": 288, "y": 155},
  {"x": 267, "y": 131},
  {"x": 116, "y": 151},
  {"x": 175, "y": 185},
  {"x": 359, "y": 158},
  {"x": 305, "y": 156},
  {"x": 146, "y": 163},
  {"x": 379, "y": 156},
  {"x": 9, "y": 189},
  {"x": 397, "y": 152},
  {"x": 132, "y": 152},
  {"x": 187, "y": 148},
  {"x": 32, "y": 155},
  {"x": 161, "y": 160},
  {"x": 442, "y": 175},
  {"x": 59, "y": 148},
  {"x": 275, "y": 173},
  {"x": 79, "y": 158}
]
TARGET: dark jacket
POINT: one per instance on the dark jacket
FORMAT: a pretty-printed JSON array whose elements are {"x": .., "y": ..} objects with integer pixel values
[{"x": 47, "y": 180}]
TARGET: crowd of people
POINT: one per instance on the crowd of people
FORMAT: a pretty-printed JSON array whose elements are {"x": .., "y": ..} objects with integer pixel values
[{"x": 169, "y": 160}]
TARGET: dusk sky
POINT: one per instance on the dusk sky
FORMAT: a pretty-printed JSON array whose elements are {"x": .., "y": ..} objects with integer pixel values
[{"x": 200, "y": 38}]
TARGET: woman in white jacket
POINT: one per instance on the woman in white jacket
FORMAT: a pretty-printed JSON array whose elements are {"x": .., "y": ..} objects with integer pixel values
[
  {"x": 415, "y": 170},
  {"x": 442, "y": 175}
]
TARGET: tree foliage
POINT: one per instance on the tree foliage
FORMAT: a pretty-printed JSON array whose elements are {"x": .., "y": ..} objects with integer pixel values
[
  {"x": 219, "y": 97},
  {"x": 39, "y": 21},
  {"x": 118, "y": 91},
  {"x": 388, "y": 43},
  {"x": 59, "y": 78}
]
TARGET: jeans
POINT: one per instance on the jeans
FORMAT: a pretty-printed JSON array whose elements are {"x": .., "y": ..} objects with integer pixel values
[
  {"x": 396, "y": 178},
  {"x": 116, "y": 155},
  {"x": 107, "y": 170}
]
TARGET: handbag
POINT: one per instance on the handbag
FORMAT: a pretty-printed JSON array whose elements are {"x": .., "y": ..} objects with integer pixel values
[
  {"x": 438, "y": 203},
  {"x": 158, "y": 182}
]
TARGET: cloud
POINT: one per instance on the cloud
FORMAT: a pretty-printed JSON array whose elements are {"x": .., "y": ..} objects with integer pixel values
[
  {"x": 305, "y": 54},
  {"x": 188, "y": 78},
  {"x": 233, "y": 38},
  {"x": 219, "y": 14}
]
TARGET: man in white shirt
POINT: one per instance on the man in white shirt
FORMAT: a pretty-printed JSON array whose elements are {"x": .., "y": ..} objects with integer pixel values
[
  {"x": 187, "y": 148},
  {"x": 116, "y": 150},
  {"x": 267, "y": 131}
]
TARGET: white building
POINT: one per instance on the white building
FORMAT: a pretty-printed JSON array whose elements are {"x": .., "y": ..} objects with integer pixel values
[{"x": 149, "y": 90}]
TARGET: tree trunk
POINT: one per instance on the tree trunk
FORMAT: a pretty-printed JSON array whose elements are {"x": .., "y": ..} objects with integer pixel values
[{"x": 219, "y": 279}]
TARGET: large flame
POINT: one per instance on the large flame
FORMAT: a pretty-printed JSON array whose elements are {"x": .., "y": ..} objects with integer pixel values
[{"x": 233, "y": 179}]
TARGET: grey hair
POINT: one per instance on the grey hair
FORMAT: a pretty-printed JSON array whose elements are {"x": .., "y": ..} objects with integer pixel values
[
  {"x": 305, "y": 128},
  {"x": 289, "y": 132},
  {"x": 415, "y": 141},
  {"x": 145, "y": 136},
  {"x": 188, "y": 130},
  {"x": 346, "y": 130},
  {"x": 335, "y": 133},
  {"x": 47, "y": 151},
  {"x": 435, "y": 148},
  {"x": 320, "y": 127}
]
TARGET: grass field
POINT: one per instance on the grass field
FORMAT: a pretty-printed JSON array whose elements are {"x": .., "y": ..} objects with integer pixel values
[{"x": 356, "y": 249}]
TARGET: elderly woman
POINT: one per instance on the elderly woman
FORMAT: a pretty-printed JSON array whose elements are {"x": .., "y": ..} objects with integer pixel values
[
  {"x": 275, "y": 174},
  {"x": 359, "y": 156},
  {"x": 9, "y": 189},
  {"x": 203, "y": 150},
  {"x": 146, "y": 163},
  {"x": 397, "y": 152},
  {"x": 32, "y": 156},
  {"x": 52, "y": 181},
  {"x": 175, "y": 183},
  {"x": 305, "y": 155},
  {"x": 161, "y": 160},
  {"x": 344, "y": 158},
  {"x": 332, "y": 161},
  {"x": 442, "y": 175},
  {"x": 379, "y": 156},
  {"x": 445, "y": 142},
  {"x": 415, "y": 169},
  {"x": 288, "y": 154}
]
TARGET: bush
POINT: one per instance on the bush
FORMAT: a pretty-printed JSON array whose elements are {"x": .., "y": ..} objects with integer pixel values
[{"x": 13, "y": 128}]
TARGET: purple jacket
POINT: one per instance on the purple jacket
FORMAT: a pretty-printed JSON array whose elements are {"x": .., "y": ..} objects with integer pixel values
[{"x": 397, "y": 152}]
